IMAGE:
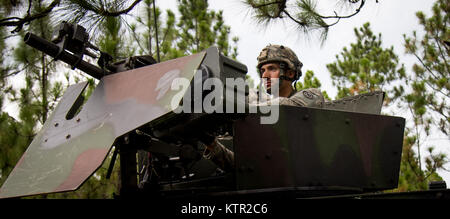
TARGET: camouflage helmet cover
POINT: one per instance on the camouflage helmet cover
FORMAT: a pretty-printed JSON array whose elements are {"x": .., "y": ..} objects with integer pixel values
[{"x": 279, "y": 53}]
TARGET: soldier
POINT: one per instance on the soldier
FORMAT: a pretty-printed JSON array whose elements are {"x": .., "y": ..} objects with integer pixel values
[{"x": 274, "y": 62}]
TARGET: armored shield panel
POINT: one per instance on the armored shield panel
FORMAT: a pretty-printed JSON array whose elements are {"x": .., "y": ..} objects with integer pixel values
[
  {"x": 318, "y": 149},
  {"x": 364, "y": 103},
  {"x": 73, "y": 143}
]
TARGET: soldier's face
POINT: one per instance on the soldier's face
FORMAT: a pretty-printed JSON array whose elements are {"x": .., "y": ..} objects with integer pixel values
[{"x": 270, "y": 71}]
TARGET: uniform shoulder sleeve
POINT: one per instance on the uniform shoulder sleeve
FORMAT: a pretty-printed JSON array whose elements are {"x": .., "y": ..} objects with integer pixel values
[{"x": 311, "y": 97}]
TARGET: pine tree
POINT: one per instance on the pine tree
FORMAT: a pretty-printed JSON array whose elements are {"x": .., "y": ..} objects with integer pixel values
[
  {"x": 412, "y": 176},
  {"x": 366, "y": 66},
  {"x": 159, "y": 36},
  {"x": 201, "y": 28},
  {"x": 427, "y": 90},
  {"x": 3, "y": 69},
  {"x": 430, "y": 94},
  {"x": 35, "y": 99}
]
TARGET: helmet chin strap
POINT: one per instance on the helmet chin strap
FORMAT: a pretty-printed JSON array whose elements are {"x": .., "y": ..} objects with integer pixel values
[
  {"x": 293, "y": 81},
  {"x": 283, "y": 78},
  {"x": 283, "y": 71}
]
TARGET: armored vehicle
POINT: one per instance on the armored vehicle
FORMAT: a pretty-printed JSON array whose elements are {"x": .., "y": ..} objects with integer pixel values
[{"x": 345, "y": 149}]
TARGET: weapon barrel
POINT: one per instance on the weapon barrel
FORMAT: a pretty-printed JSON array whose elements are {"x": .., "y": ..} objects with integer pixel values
[{"x": 52, "y": 50}]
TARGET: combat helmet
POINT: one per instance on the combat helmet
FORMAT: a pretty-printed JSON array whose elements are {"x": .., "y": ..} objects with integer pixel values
[{"x": 279, "y": 53}]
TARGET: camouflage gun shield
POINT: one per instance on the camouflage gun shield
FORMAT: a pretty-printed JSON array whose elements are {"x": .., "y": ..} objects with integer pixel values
[{"x": 72, "y": 146}]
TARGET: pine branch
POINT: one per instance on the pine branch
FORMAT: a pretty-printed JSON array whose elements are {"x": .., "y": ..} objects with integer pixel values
[
  {"x": 103, "y": 12},
  {"x": 308, "y": 19},
  {"x": 303, "y": 24},
  {"x": 425, "y": 65},
  {"x": 256, "y": 6},
  {"x": 19, "y": 22},
  {"x": 134, "y": 35},
  {"x": 441, "y": 52},
  {"x": 336, "y": 16},
  {"x": 15, "y": 72}
]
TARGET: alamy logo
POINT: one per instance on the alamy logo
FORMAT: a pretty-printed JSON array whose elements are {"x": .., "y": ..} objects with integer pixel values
[
  {"x": 164, "y": 82},
  {"x": 211, "y": 95}
]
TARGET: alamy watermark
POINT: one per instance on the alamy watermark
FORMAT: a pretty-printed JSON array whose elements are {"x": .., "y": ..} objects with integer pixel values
[{"x": 211, "y": 95}]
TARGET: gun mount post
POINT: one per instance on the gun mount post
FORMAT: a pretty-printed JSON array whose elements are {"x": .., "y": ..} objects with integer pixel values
[{"x": 128, "y": 171}]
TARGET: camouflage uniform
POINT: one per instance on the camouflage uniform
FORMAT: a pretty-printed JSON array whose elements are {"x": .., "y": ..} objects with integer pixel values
[{"x": 312, "y": 97}]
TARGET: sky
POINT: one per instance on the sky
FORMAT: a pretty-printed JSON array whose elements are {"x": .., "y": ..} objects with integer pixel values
[{"x": 391, "y": 18}]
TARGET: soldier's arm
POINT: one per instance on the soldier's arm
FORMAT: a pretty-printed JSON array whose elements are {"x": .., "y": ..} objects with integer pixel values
[
  {"x": 220, "y": 155},
  {"x": 311, "y": 97}
]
